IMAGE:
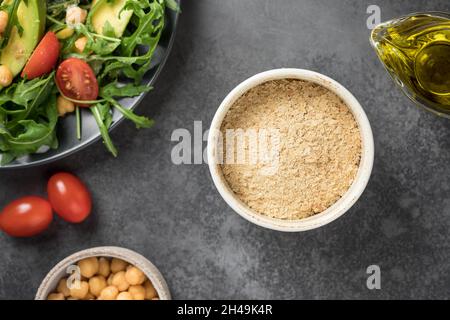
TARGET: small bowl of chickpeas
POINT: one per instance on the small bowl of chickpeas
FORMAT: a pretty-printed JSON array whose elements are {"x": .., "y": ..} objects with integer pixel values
[{"x": 104, "y": 273}]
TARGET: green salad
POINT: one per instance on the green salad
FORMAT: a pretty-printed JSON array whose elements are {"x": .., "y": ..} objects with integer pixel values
[{"x": 70, "y": 56}]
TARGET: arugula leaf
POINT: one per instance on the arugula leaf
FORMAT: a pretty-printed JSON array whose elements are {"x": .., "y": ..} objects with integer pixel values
[
  {"x": 29, "y": 117},
  {"x": 113, "y": 89},
  {"x": 35, "y": 133},
  {"x": 68, "y": 45},
  {"x": 18, "y": 97},
  {"x": 5, "y": 158},
  {"x": 148, "y": 32},
  {"x": 99, "y": 118},
  {"x": 98, "y": 44},
  {"x": 106, "y": 113},
  {"x": 31, "y": 94},
  {"x": 108, "y": 30},
  {"x": 139, "y": 121}
]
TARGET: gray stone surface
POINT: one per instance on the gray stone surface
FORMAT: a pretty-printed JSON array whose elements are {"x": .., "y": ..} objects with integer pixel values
[{"x": 174, "y": 216}]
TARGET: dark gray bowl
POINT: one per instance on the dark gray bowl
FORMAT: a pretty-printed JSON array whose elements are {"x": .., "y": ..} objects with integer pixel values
[{"x": 68, "y": 142}]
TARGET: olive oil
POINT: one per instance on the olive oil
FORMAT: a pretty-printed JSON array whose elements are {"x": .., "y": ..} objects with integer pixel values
[{"x": 415, "y": 49}]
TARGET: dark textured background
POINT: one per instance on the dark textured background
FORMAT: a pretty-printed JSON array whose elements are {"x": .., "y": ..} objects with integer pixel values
[{"x": 174, "y": 216}]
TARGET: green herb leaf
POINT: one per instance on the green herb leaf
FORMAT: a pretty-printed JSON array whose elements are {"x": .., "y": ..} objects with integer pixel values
[
  {"x": 140, "y": 121},
  {"x": 33, "y": 135},
  {"x": 151, "y": 21},
  {"x": 30, "y": 94},
  {"x": 99, "y": 118},
  {"x": 129, "y": 90},
  {"x": 98, "y": 44}
]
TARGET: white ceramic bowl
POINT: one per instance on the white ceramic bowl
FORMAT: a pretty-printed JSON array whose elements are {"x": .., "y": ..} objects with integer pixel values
[
  {"x": 337, "y": 209},
  {"x": 50, "y": 282}
]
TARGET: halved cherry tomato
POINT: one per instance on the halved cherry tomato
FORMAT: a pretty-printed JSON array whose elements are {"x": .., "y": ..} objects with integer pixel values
[
  {"x": 69, "y": 197},
  {"x": 26, "y": 217},
  {"x": 76, "y": 80},
  {"x": 43, "y": 58}
]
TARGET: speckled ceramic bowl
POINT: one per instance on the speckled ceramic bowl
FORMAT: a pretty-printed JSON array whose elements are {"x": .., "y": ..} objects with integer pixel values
[
  {"x": 337, "y": 209},
  {"x": 50, "y": 282}
]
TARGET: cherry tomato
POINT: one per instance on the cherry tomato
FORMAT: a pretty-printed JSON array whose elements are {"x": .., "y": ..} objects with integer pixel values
[
  {"x": 26, "y": 217},
  {"x": 69, "y": 197},
  {"x": 43, "y": 58},
  {"x": 76, "y": 80}
]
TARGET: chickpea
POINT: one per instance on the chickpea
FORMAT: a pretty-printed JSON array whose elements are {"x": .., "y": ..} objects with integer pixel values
[
  {"x": 6, "y": 76},
  {"x": 80, "y": 44},
  {"x": 124, "y": 296},
  {"x": 65, "y": 33},
  {"x": 62, "y": 287},
  {"x": 89, "y": 296},
  {"x": 3, "y": 21},
  {"x": 75, "y": 15},
  {"x": 96, "y": 285},
  {"x": 55, "y": 296},
  {"x": 110, "y": 279},
  {"x": 88, "y": 267},
  {"x": 135, "y": 276},
  {"x": 80, "y": 291},
  {"x": 138, "y": 292},
  {"x": 64, "y": 106},
  {"x": 118, "y": 265},
  {"x": 109, "y": 293},
  {"x": 105, "y": 279},
  {"x": 119, "y": 280},
  {"x": 103, "y": 267},
  {"x": 150, "y": 291}
]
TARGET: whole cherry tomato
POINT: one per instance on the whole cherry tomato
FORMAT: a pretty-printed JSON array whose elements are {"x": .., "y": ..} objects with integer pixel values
[
  {"x": 76, "y": 80},
  {"x": 43, "y": 58},
  {"x": 69, "y": 197},
  {"x": 26, "y": 217}
]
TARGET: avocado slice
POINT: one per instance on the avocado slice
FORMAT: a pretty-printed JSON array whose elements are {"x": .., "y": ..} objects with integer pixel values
[
  {"x": 31, "y": 16},
  {"x": 108, "y": 11}
]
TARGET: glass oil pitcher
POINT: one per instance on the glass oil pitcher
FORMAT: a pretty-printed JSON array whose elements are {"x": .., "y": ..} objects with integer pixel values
[{"x": 415, "y": 49}]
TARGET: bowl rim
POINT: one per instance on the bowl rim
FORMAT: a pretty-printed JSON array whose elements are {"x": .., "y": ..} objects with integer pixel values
[
  {"x": 132, "y": 257},
  {"x": 337, "y": 209}
]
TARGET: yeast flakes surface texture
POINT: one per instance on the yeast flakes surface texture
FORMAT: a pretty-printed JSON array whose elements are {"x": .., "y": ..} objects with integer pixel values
[{"x": 319, "y": 149}]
